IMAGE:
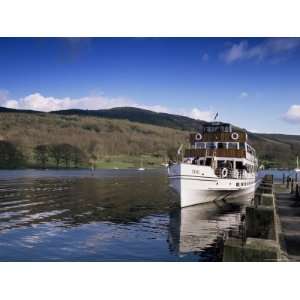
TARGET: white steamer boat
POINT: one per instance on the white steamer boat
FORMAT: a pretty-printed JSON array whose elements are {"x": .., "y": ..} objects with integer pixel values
[{"x": 220, "y": 164}]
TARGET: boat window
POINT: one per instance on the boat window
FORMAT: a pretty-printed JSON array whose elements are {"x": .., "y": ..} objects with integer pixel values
[
  {"x": 221, "y": 145},
  {"x": 210, "y": 145},
  {"x": 218, "y": 127},
  {"x": 250, "y": 150},
  {"x": 229, "y": 164},
  {"x": 208, "y": 162},
  {"x": 242, "y": 146},
  {"x": 239, "y": 165},
  {"x": 220, "y": 164},
  {"x": 200, "y": 145},
  {"x": 232, "y": 145},
  {"x": 227, "y": 129}
]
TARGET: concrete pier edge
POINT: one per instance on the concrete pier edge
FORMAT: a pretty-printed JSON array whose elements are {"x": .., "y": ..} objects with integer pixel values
[
  {"x": 261, "y": 238},
  {"x": 279, "y": 234}
]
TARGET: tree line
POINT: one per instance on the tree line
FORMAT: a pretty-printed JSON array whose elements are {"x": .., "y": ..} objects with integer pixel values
[
  {"x": 10, "y": 155},
  {"x": 59, "y": 155}
]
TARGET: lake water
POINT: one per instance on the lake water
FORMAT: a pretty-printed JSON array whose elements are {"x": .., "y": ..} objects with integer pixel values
[
  {"x": 278, "y": 174},
  {"x": 108, "y": 215}
]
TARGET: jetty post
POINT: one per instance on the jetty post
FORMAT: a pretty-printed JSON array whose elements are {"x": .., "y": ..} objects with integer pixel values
[
  {"x": 283, "y": 178},
  {"x": 292, "y": 186}
]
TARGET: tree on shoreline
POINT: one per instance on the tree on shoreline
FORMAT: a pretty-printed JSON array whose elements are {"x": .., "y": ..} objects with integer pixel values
[
  {"x": 10, "y": 155},
  {"x": 77, "y": 156},
  {"x": 56, "y": 152},
  {"x": 66, "y": 153},
  {"x": 41, "y": 153}
]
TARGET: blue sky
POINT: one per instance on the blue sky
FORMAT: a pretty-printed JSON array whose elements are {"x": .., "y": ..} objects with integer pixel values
[{"x": 253, "y": 83}]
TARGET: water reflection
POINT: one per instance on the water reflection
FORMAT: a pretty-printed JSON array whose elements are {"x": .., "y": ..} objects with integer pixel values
[
  {"x": 107, "y": 216},
  {"x": 199, "y": 228}
]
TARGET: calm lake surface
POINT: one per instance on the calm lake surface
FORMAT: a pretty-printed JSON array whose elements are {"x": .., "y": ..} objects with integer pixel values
[{"x": 110, "y": 215}]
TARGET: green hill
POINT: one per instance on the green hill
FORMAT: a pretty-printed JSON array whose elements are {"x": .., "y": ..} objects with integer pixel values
[
  {"x": 99, "y": 141},
  {"x": 139, "y": 115},
  {"x": 274, "y": 150},
  {"x": 123, "y": 135}
]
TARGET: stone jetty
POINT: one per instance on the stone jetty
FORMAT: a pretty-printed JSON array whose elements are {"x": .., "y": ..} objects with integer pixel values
[
  {"x": 288, "y": 211},
  {"x": 260, "y": 237}
]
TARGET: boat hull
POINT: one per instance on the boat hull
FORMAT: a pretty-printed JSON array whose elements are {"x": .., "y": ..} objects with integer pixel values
[{"x": 204, "y": 187}]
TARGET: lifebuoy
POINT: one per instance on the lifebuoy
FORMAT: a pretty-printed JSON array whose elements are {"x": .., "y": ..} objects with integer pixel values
[
  {"x": 198, "y": 136},
  {"x": 235, "y": 136},
  {"x": 224, "y": 172}
]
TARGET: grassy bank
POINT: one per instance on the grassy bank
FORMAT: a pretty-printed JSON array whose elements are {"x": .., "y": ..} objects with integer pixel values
[
  {"x": 123, "y": 162},
  {"x": 109, "y": 162}
]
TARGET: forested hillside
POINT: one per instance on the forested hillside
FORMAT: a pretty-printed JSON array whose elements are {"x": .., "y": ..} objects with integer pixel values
[
  {"x": 48, "y": 140},
  {"x": 274, "y": 150},
  {"x": 119, "y": 137}
]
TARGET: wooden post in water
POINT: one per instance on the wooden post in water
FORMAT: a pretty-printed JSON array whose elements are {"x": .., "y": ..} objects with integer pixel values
[
  {"x": 283, "y": 178},
  {"x": 288, "y": 182},
  {"x": 292, "y": 186},
  {"x": 296, "y": 177}
]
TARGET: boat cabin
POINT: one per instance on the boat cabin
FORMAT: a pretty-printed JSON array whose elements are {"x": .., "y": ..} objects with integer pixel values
[{"x": 220, "y": 146}]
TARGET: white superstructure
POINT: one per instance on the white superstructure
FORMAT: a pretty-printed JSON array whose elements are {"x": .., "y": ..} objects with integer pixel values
[{"x": 220, "y": 164}]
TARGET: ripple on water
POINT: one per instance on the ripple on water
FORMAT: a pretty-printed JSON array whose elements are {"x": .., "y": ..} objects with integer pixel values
[{"x": 112, "y": 215}]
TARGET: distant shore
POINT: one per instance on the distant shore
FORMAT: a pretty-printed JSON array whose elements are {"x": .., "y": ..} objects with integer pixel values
[{"x": 107, "y": 162}]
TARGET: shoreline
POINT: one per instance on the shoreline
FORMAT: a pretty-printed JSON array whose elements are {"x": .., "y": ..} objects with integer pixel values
[{"x": 80, "y": 168}]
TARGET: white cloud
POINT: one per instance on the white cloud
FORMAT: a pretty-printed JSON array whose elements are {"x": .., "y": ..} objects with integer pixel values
[
  {"x": 293, "y": 114},
  {"x": 274, "y": 48},
  {"x": 37, "y": 101},
  {"x": 201, "y": 115},
  {"x": 236, "y": 52},
  {"x": 244, "y": 95}
]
